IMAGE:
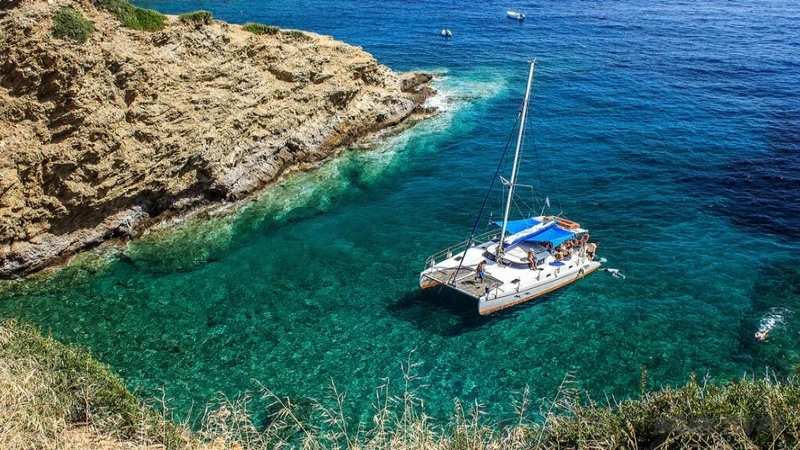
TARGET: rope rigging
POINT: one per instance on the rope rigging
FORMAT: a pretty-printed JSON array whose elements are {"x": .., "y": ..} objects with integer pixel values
[
  {"x": 541, "y": 182},
  {"x": 521, "y": 206},
  {"x": 486, "y": 199}
]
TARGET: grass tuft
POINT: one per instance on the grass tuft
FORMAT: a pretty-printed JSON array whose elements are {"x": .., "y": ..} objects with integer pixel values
[
  {"x": 70, "y": 24},
  {"x": 133, "y": 17},
  {"x": 297, "y": 35},
  {"x": 259, "y": 28},
  {"x": 197, "y": 17}
]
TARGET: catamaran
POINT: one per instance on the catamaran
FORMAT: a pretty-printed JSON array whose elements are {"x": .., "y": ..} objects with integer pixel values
[{"x": 530, "y": 256}]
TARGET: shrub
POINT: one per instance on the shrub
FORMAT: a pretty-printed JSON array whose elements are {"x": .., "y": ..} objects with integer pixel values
[
  {"x": 133, "y": 17},
  {"x": 197, "y": 17},
  {"x": 70, "y": 24},
  {"x": 750, "y": 413},
  {"x": 259, "y": 28},
  {"x": 297, "y": 35}
]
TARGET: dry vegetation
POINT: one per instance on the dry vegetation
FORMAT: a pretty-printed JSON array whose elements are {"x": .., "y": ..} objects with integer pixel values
[
  {"x": 57, "y": 396},
  {"x": 53, "y": 394}
]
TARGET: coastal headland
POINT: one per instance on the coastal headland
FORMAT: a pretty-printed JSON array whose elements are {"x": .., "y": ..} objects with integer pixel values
[{"x": 105, "y": 130}]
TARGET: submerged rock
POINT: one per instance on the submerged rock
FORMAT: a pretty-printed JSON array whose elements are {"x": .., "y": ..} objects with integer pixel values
[{"x": 100, "y": 138}]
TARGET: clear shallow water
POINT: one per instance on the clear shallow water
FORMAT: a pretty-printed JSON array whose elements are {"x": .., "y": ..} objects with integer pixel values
[{"x": 671, "y": 130}]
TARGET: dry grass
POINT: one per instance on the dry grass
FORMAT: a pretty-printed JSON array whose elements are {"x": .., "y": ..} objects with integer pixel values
[
  {"x": 57, "y": 396},
  {"x": 52, "y": 394},
  {"x": 748, "y": 414}
]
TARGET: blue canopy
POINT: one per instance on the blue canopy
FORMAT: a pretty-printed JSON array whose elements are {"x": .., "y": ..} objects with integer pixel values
[{"x": 555, "y": 234}]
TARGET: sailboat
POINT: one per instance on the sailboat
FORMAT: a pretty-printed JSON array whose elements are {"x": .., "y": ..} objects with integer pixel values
[{"x": 529, "y": 257}]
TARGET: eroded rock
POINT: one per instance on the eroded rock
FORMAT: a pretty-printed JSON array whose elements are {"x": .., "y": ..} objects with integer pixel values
[{"x": 97, "y": 140}]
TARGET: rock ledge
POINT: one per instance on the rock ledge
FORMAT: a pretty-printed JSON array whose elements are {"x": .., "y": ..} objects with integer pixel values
[{"x": 100, "y": 140}]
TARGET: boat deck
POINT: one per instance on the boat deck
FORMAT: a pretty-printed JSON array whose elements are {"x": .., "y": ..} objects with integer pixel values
[{"x": 466, "y": 282}]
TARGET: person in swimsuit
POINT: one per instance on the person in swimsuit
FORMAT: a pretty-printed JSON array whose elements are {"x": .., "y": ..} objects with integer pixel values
[
  {"x": 591, "y": 249},
  {"x": 479, "y": 271},
  {"x": 531, "y": 260}
]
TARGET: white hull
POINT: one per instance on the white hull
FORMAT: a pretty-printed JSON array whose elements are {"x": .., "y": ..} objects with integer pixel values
[{"x": 493, "y": 302}]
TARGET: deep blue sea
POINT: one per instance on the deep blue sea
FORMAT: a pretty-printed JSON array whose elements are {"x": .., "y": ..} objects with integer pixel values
[{"x": 670, "y": 129}]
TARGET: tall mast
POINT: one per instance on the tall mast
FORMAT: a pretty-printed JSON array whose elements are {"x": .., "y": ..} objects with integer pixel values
[{"x": 516, "y": 162}]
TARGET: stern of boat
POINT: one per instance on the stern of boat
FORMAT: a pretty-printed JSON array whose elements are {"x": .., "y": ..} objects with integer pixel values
[{"x": 426, "y": 282}]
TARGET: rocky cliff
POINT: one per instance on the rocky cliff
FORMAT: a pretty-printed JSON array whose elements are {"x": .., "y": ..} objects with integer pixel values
[{"x": 97, "y": 139}]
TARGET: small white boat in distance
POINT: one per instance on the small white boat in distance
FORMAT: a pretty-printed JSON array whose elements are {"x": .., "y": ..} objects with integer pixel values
[
  {"x": 447, "y": 33},
  {"x": 516, "y": 15}
]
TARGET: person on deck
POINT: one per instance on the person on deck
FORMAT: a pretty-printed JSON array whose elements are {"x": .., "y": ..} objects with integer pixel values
[
  {"x": 591, "y": 249},
  {"x": 479, "y": 271},
  {"x": 531, "y": 260}
]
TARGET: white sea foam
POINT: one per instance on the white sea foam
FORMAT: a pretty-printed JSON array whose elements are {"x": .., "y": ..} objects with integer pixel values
[
  {"x": 774, "y": 318},
  {"x": 452, "y": 96},
  {"x": 454, "y": 93}
]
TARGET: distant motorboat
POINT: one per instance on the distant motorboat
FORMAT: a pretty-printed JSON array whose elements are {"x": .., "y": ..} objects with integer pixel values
[
  {"x": 516, "y": 15},
  {"x": 447, "y": 33}
]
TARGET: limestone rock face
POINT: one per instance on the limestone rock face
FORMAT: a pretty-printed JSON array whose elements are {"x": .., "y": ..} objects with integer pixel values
[{"x": 98, "y": 139}]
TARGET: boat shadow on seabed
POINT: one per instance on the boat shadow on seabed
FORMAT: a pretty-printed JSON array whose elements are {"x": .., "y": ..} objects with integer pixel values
[{"x": 446, "y": 313}]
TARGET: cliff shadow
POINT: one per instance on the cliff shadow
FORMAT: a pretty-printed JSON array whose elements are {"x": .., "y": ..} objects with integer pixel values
[{"x": 8, "y": 4}]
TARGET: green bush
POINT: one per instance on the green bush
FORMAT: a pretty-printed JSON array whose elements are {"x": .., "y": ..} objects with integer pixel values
[
  {"x": 70, "y": 24},
  {"x": 297, "y": 35},
  {"x": 198, "y": 17},
  {"x": 133, "y": 17},
  {"x": 259, "y": 28}
]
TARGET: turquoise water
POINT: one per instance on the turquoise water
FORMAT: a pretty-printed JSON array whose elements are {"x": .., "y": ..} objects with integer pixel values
[{"x": 669, "y": 129}]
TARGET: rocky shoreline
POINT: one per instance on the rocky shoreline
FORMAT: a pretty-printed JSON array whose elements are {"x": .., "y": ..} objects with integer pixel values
[{"x": 100, "y": 140}]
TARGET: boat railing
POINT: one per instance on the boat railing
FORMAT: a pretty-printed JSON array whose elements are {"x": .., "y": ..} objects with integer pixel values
[{"x": 458, "y": 248}]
